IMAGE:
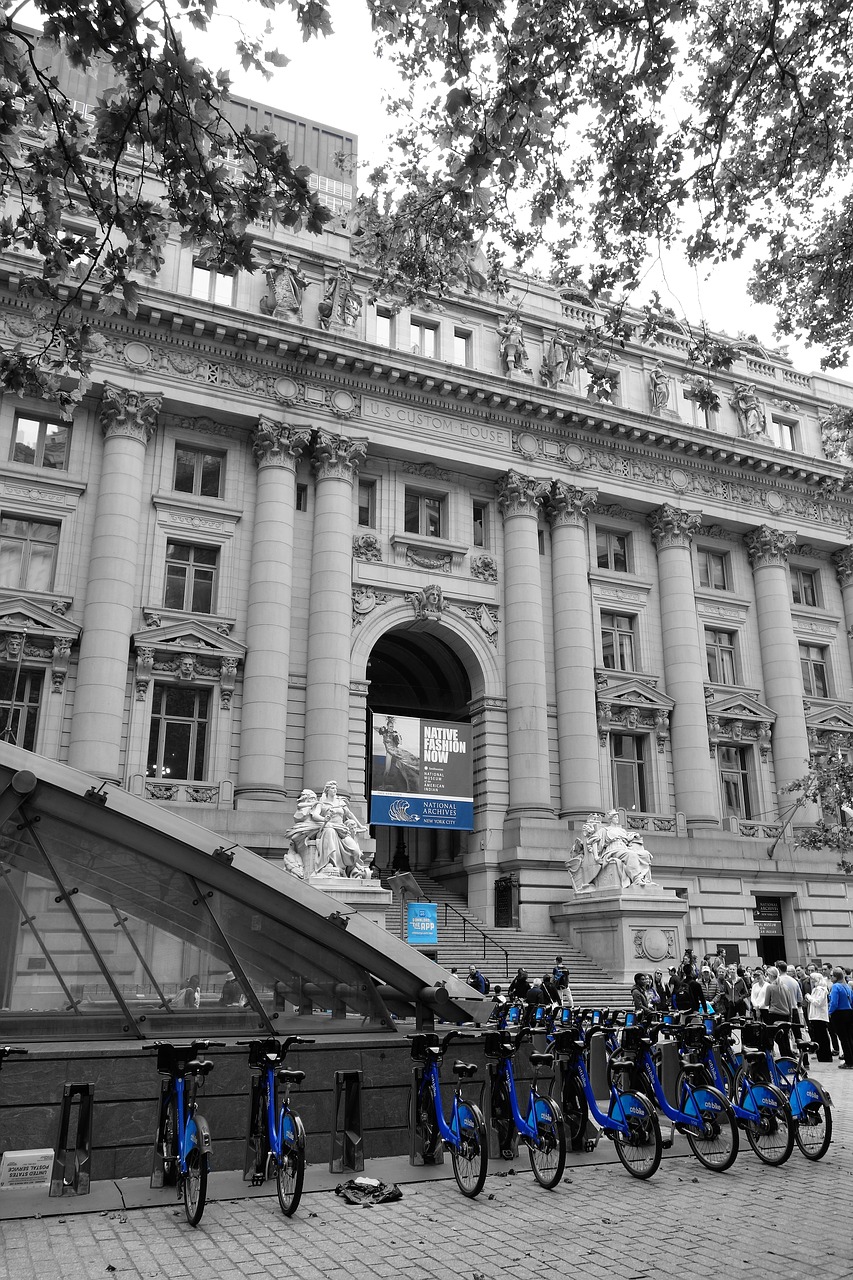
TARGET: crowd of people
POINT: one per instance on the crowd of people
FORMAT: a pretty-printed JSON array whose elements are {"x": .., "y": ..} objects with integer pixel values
[{"x": 815, "y": 999}]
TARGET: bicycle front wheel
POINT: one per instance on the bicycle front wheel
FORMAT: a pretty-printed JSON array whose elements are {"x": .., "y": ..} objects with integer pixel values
[
  {"x": 813, "y": 1130},
  {"x": 290, "y": 1168},
  {"x": 640, "y": 1150},
  {"x": 548, "y": 1149},
  {"x": 471, "y": 1157},
  {"x": 195, "y": 1185},
  {"x": 714, "y": 1141},
  {"x": 771, "y": 1134}
]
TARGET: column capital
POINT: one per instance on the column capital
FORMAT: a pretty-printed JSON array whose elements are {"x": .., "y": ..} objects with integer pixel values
[
  {"x": 520, "y": 495},
  {"x": 566, "y": 505},
  {"x": 125, "y": 412},
  {"x": 768, "y": 546},
  {"x": 337, "y": 457},
  {"x": 672, "y": 527},
  {"x": 275, "y": 444},
  {"x": 843, "y": 561}
]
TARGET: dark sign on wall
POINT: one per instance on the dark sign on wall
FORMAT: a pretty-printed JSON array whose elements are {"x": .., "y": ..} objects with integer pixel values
[{"x": 423, "y": 773}]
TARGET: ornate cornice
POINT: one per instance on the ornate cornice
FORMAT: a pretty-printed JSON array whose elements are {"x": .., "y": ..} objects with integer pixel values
[
  {"x": 129, "y": 413},
  {"x": 767, "y": 546},
  {"x": 672, "y": 527},
  {"x": 275, "y": 444},
  {"x": 567, "y": 505},
  {"x": 337, "y": 457},
  {"x": 520, "y": 495}
]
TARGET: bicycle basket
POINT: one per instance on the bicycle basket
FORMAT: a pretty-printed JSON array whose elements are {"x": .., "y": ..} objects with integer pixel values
[
  {"x": 695, "y": 1038},
  {"x": 757, "y": 1035},
  {"x": 632, "y": 1038},
  {"x": 168, "y": 1061},
  {"x": 421, "y": 1046}
]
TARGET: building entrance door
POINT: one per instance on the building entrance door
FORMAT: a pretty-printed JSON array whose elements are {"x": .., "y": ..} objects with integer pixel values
[{"x": 767, "y": 914}]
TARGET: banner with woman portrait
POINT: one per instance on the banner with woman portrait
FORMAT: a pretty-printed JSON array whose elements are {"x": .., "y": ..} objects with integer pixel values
[{"x": 422, "y": 773}]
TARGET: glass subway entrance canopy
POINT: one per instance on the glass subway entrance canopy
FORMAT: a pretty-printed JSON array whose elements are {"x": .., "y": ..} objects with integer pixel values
[{"x": 120, "y": 919}]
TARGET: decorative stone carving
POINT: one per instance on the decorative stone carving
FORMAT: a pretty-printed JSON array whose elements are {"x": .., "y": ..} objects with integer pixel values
[
  {"x": 655, "y": 945},
  {"x": 486, "y": 619},
  {"x": 337, "y": 457},
  {"x": 750, "y": 414},
  {"x": 521, "y": 495},
  {"x": 843, "y": 561},
  {"x": 566, "y": 505},
  {"x": 365, "y": 546},
  {"x": 151, "y": 618},
  {"x": 364, "y": 601},
  {"x": 428, "y": 602},
  {"x": 323, "y": 838},
  {"x": 558, "y": 362},
  {"x": 125, "y": 412},
  {"x": 767, "y": 546},
  {"x": 341, "y": 305},
  {"x": 672, "y": 527},
  {"x": 59, "y": 663},
  {"x": 440, "y": 561},
  {"x": 186, "y": 666},
  {"x": 287, "y": 286},
  {"x": 604, "y": 843},
  {"x": 514, "y": 357},
  {"x": 144, "y": 670},
  {"x": 485, "y": 568},
  {"x": 659, "y": 385},
  {"x": 275, "y": 444},
  {"x": 227, "y": 680}
]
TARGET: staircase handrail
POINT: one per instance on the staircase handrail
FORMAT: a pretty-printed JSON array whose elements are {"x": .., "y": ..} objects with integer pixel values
[{"x": 487, "y": 938}]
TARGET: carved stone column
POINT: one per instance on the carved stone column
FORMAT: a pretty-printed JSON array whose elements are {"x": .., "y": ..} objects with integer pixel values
[
  {"x": 263, "y": 736},
  {"x": 527, "y": 709},
  {"x": 128, "y": 420},
  {"x": 336, "y": 462},
  {"x": 696, "y": 790},
  {"x": 574, "y": 650},
  {"x": 780, "y": 657},
  {"x": 843, "y": 561}
]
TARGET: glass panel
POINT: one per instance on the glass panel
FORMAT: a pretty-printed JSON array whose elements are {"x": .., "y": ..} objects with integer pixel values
[
  {"x": 205, "y": 555},
  {"x": 26, "y": 440},
  {"x": 200, "y": 287},
  {"x": 619, "y": 548},
  {"x": 479, "y": 525},
  {"x": 55, "y": 446},
  {"x": 177, "y": 551},
  {"x": 432, "y": 517},
  {"x": 383, "y": 329},
  {"x": 176, "y": 578},
  {"x": 461, "y": 348},
  {"x": 202, "y": 592},
  {"x": 40, "y": 569},
  {"x": 11, "y": 555},
  {"x": 411, "y": 522},
  {"x": 177, "y": 740},
  {"x": 211, "y": 475},
  {"x": 184, "y": 470},
  {"x": 223, "y": 288}
]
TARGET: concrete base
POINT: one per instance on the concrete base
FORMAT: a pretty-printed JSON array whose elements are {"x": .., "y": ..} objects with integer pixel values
[
  {"x": 626, "y": 931},
  {"x": 365, "y": 896}
]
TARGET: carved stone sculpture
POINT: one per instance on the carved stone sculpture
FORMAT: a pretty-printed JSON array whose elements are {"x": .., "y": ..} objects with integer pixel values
[
  {"x": 659, "y": 388},
  {"x": 324, "y": 835},
  {"x": 605, "y": 842},
  {"x": 341, "y": 304},
  {"x": 514, "y": 355},
  {"x": 558, "y": 362},
  {"x": 750, "y": 414},
  {"x": 287, "y": 286}
]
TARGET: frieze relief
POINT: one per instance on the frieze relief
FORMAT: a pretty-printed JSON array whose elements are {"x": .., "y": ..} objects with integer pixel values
[
  {"x": 364, "y": 601},
  {"x": 365, "y": 546},
  {"x": 485, "y": 568}
]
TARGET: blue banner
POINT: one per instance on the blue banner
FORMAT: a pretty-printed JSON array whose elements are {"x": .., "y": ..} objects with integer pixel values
[
  {"x": 422, "y": 924},
  {"x": 422, "y": 773},
  {"x": 421, "y": 811}
]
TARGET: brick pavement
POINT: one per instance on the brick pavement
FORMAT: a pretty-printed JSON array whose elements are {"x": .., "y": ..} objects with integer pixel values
[{"x": 600, "y": 1224}]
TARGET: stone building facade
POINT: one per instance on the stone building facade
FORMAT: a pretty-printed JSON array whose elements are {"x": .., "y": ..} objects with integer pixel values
[{"x": 228, "y": 557}]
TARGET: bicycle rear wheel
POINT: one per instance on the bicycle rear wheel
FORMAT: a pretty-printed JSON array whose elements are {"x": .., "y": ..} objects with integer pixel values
[
  {"x": 640, "y": 1150},
  {"x": 548, "y": 1150},
  {"x": 771, "y": 1135},
  {"x": 813, "y": 1130},
  {"x": 290, "y": 1169},
  {"x": 471, "y": 1157},
  {"x": 195, "y": 1185},
  {"x": 715, "y": 1141}
]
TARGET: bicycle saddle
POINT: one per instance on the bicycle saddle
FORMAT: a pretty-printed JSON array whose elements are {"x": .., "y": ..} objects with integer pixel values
[
  {"x": 465, "y": 1068},
  {"x": 287, "y": 1076},
  {"x": 197, "y": 1067},
  {"x": 542, "y": 1059}
]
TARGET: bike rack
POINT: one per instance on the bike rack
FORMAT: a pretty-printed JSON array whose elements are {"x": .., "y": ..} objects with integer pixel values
[
  {"x": 254, "y": 1163},
  {"x": 347, "y": 1145},
  {"x": 72, "y": 1165},
  {"x": 489, "y": 1117},
  {"x": 416, "y": 1146}
]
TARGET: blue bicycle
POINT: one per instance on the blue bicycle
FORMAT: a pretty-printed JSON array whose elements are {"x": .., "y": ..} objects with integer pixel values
[
  {"x": 703, "y": 1114},
  {"x": 631, "y": 1121},
  {"x": 184, "y": 1141},
  {"x": 540, "y": 1127},
  {"x": 276, "y": 1133},
  {"x": 465, "y": 1133},
  {"x": 808, "y": 1099}
]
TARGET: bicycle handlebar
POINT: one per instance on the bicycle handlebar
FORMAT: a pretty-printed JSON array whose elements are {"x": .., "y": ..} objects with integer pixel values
[
  {"x": 194, "y": 1047},
  {"x": 7, "y": 1049}
]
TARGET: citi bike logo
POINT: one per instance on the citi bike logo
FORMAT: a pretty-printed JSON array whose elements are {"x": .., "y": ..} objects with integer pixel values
[{"x": 399, "y": 811}]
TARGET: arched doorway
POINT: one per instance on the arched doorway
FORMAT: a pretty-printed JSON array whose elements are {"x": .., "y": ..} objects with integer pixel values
[{"x": 416, "y": 673}]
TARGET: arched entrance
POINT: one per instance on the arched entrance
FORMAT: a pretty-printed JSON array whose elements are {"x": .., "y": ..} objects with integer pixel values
[{"x": 416, "y": 673}]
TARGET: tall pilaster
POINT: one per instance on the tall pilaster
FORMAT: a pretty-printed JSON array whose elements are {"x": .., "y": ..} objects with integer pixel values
[
  {"x": 128, "y": 420},
  {"x": 336, "y": 460},
  {"x": 527, "y": 707},
  {"x": 685, "y": 670},
  {"x": 574, "y": 650},
  {"x": 843, "y": 561},
  {"x": 780, "y": 655},
  {"x": 263, "y": 736}
]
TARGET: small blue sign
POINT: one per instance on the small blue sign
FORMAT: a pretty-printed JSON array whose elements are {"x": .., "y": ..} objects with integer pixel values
[{"x": 422, "y": 924}]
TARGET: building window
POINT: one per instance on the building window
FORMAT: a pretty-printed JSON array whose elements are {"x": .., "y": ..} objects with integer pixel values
[
  {"x": 41, "y": 442},
  {"x": 461, "y": 346},
  {"x": 480, "y": 512},
  {"x": 713, "y": 569},
  {"x": 190, "y": 577},
  {"x": 27, "y": 554},
  {"x": 814, "y": 666},
  {"x": 302, "y": 497},
  {"x": 720, "y": 652},
  {"x": 804, "y": 589},
  {"x": 423, "y": 338},
  {"x": 383, "y": 327},
  {"x": 177, "y": 742},
  {"x": 734, "y": 781},
  {"x": 628, "y": 769},
  {"x": 611, "y": 550},
  {"x": 424, "y": 514},
  {"x": 787, "y": 433},
  {"x": 213, "y": 285},
  {"x": 198, "y": 472},
  {"x": 540, "y": 537},
  {"x": 367, "y": 504},
  {"x": 617, "y": 641},
  {"x": 20, "y": 698}
]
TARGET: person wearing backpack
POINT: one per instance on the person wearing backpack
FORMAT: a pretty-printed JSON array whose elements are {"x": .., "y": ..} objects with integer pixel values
[{"x": 477, "y": 980}]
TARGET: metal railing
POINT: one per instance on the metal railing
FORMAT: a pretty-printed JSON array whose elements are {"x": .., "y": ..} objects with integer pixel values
[{"x": 469, "y": 924}]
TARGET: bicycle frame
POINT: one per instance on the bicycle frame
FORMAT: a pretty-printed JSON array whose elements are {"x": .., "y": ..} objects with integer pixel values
[
  {"x": 754, "y": 1095},
  {"x": 192, "y": 1130},
  {"x": 430, "y": 1084},
  {"x": 525, "y": 1125},
  {"x": 616, "y": 1119},
  {"x": 698, "y": 1098}
]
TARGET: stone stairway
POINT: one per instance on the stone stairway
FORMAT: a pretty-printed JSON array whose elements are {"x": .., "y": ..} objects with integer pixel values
[{"x": 464, "y": 940}]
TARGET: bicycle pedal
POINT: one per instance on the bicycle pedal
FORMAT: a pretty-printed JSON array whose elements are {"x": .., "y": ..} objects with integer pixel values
[
  {"x": 666, "y": 1143},
  {"x": 258, "y": 1180}
]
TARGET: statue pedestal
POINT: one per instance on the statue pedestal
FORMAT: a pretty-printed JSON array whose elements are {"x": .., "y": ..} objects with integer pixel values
[
  {"x": 626, "y": 931},
  {"x": 367, "y": 897}
]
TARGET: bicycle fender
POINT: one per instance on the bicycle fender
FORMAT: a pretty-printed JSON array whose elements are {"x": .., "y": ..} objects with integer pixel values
[
  {"x": 628, "y": 1105},
  {"x": 198, "y": 1134},
  {"x": 547, "y": 1111},
  {"x": 765, "y": 1095},
  {"x": 805, "y": 1093},
  {"x": 707, "y": 1101},
  {"x": 292, "y": 1130}
]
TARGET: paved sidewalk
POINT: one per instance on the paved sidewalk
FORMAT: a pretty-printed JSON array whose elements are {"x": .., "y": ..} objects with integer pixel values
[{"x": 600, "y": 1223}]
